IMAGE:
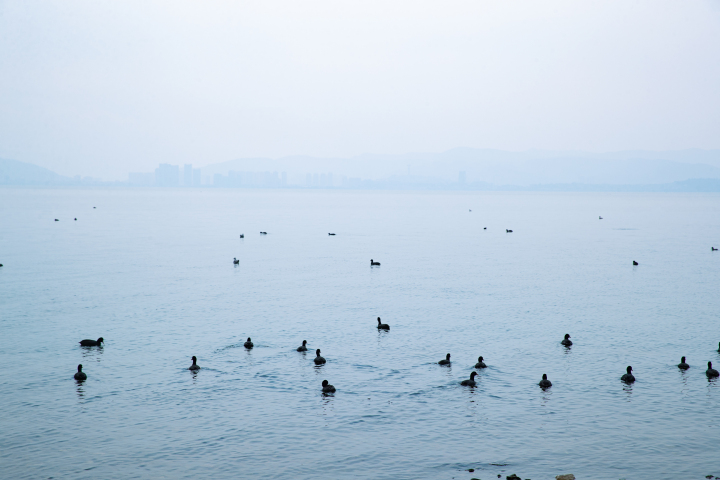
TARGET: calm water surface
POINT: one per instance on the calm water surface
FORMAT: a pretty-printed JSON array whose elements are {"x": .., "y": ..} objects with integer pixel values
[{"x": 151, "y": 271}]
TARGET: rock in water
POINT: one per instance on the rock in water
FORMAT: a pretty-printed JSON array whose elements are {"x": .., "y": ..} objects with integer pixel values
[
  {"x": 569, "y": 476},
  {"x": 513, "y": 477}
]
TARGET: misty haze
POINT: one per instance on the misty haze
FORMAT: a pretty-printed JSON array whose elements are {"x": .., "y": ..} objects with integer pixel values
[{"x": 342, "y": 240}]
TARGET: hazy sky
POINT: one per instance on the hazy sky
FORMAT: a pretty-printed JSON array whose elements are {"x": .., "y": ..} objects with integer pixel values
[{"x": 105, "y": 87}]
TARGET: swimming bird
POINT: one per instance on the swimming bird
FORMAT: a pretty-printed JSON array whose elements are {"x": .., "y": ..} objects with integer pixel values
[
  {"x": 628, "y": 377},
  {"x": 446, "y": 361},
  {"x": 75, "y": 219},
  {"x": 470, "y": 382},
  {"x": 480, "y": 363},
  {"x": 1, "y": 265},
  {"x": 508, "y": 231},
  {"x": 635, "y": 263},
  {"x": 545, "y": 383},
  {"x": 80, "y": 375},
  {"x": 57, "y": 220},
  {"x": 94, "y": 207},
  {"x": 713, "y": 249},
  {"x": 600, "y": 218},
  {"x": 263, "y": 233},
  {"x": 682, "y": 365},
  {"x": 303, "y": 347},
  {"x": 373, "y": 262},
  {"x": 327, "y": 388},
  {"x": 567, "y": 342},
  {"x": 484, "y": 228},
  {"x": 318, "y": 359},
  {"x": 331, "y": 234},
  {"x": 718, "y": 346},
  {"x": 92, "y": 343},
  {"x": 194, "y": 366},
  {"x": 248, "y": 344},
  {"x": 242, "y": 235},
  {"x": 383, "y": 326},
  {"x": 236, "y": 261},
  {"x": 711, "y": 372}
]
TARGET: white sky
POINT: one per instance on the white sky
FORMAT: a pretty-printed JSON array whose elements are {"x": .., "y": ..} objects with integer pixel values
[{"x": 105, "y": 87}]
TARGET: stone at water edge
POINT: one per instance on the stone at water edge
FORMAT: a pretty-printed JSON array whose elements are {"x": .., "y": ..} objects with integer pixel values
[
  {"x": 569, "y": 476},
  {"x": 513, "y": 477}
]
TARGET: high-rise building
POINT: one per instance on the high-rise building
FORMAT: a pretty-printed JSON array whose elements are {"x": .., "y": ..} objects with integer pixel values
[
  {"x": 196, "y": 177},
  {"x": 167, "y": 175},
  {"x": 187, "y": 175}
]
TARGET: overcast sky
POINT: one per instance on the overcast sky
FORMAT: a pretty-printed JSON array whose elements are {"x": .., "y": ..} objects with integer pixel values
[{"x": 102, "y": 88}]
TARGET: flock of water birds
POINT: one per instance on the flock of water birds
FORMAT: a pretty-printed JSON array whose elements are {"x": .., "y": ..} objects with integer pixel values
[
  {"x": 545, "y": 383},
  {"x": 628, "y": 377}
]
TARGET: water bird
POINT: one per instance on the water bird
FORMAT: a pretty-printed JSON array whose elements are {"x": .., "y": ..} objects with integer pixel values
[
  {"x": 80, "y": 375},
  {"x": 567, "y": 342},
  {"x": 628, "y": 377},
  {"x": 75, "y": 219},
  {"x": 713, "y": 249},
  {"x": 92, "y": 343},
  {"x": 236, "y": 261},
  {"x": 1, "y": 264},
  {"x": 508, "y": 231},
  {"x": 373, "y": 262},
  {"x": 480, "y": 363},
  {"x": 194, "y": 366},
  {"x": 383, "y": 326},
  {"x": 718, "y": 346},
  {"x": 445, "y": 361},
  {"x": 94, "y": 207},
  {"x": 711, "y": 372},
  {"x": 242, "y": 235},
  {"x": 471, "y": 381},
  {"x": 263, "y": 233},
  {"x": 545, "y": 383},
  {"x": 57, "y": 220},
  {"x": 682, "y": 365},
  {"x": 600, "y": 218},
  {"x": 332, "y": 234},
  {"x": 318, "y": 359},
  {"x": 635, "y": 263},
  {"x": 303, "y": 347},
  {"x": 484, "y": 228},
  {"x": 248, "y": 344},
  {"x": 327, "y": 388}
]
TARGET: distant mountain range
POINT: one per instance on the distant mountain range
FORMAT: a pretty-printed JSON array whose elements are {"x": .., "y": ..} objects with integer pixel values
[
  {"x": 497, "y": 167},
  {"x": 456, "y": 169},
  {"x": 13, "y": 172}
]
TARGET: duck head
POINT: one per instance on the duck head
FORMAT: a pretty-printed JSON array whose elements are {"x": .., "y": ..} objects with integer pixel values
[
  {"x": 80, "y": 368},
  {"x": 194, "y": 359},
  {"x": 317, "y": 352},
  {"x": 629, "y": 369},
  {"x": 480, "y": 359},
  {"x": 544, "y": 376},
  {"x": 325, "y": 383}
]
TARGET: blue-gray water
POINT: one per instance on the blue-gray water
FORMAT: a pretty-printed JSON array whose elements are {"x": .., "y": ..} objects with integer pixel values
[{"x": 151, "y": 271}]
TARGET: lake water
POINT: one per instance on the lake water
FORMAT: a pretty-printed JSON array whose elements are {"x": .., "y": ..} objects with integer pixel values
[{"x": 151, "y": 271}]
